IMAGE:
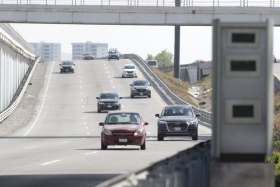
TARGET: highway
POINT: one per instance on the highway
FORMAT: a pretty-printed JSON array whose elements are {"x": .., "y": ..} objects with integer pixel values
[{"x": 59, "y": 144}]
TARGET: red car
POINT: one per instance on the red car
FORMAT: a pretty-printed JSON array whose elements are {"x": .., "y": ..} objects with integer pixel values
[{"x": 123, "y": 128}]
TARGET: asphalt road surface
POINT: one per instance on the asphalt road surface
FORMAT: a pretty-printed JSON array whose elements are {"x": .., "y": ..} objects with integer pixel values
[{"x": 53, "y": 137}]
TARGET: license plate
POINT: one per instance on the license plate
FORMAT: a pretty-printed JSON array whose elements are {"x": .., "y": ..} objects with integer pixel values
[
  {"x": 109, "y": 106},
  {"x": 177, "y": 128},
  {"x": 122, "y": 140},
  {"x": 141, "y": 93}
]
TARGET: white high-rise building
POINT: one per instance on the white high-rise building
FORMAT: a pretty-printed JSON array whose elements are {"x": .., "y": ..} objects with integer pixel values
[
  {"x": 97, "y": 49},
  {"x": 48, "y": 51}
]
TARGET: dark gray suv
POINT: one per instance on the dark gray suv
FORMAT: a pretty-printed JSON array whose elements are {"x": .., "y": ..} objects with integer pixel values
[
  {"x": 113, "y": 54},
  {"x": 108, "y": 100},
  {"x": 177, "y": 120},
  {"x": 140, "y": 88},
  {"x": 67, "y": 66}
]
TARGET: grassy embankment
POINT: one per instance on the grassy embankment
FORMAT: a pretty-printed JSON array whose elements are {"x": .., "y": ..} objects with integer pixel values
[{"x": 181, "y": 89}]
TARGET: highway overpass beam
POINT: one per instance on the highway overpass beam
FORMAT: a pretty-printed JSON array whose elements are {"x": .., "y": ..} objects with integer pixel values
[{"x": 177, "y": 48}]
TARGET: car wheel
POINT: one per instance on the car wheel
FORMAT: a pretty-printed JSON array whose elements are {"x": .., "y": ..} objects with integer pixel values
[
  {"x": 60, "y": 71},
  {"x": 118, "y": 59},
  {"x": 122, "y": 76},
  {"x": 103, "y": 147},
  {"x": 195, "y": 137},
  {"x": 143, "y": 146},
  {"x": 132, "y": 96},
  {"x": 135, "y": 76},
  {"x": 99, "y": 111},
  {"x": 160, "y": 138},
  {"x": 108, "y": 58},
  {"x": 72, "y": 71},
  {"x": 149, "y": 96}
]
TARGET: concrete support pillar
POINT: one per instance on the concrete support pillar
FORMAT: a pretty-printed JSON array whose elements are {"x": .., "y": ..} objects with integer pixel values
[{"x": 177, "y": 47}]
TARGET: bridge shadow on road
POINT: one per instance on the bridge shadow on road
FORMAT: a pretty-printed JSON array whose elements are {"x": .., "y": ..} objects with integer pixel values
[{"x": 54, "y": 180}]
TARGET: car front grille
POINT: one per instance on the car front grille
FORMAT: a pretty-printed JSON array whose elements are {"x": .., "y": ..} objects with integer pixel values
[
  {"x": 128, "y": 142},
  {"x": 141, "y": 90},
  {"x": 67, "y": 68},
  {"x": 129, "y": 71},
  {"x": 122, "y": 133},
  {"x": 171, "y": 126},
  {"x": 109, "y": 102}
]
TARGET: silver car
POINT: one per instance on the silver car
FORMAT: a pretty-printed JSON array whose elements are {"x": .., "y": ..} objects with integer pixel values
[{"x": 140, "y": 88}]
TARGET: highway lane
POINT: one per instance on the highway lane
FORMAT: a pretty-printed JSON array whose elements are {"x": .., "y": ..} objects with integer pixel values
[{"x": 61, "y": 144}]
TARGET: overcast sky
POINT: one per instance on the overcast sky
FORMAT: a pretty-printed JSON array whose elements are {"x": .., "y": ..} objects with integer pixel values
[{"x": 196, "y": 42}]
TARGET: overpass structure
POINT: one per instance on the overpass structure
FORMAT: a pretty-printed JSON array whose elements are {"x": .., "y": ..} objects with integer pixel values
[{"x": 137, "y": 12}]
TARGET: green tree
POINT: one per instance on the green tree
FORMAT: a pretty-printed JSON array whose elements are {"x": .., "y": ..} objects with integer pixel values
[
  {"x": 150, "y": 57},
  {"x": 164, "y": 58}
]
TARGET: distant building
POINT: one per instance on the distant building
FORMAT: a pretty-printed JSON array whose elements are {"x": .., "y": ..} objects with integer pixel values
[
  {"x": 97, "y": 49},
  {"x": 48, "y": 51}
]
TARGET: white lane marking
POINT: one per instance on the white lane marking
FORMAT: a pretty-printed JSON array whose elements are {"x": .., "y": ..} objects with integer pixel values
[
  {"x": 84, "y": 117},
  {"x": 32, "y": 126},
  {"x": 114, "y": 87},
  {"x": 109, "y": 76},
  {"x": 107, "y": 72},
  {"x": 105, "y": 68},
  {"x": 112, "y": 82},
  {"x": 46, "y": 163},
  {"x": 91, "y": 153},
  {"x": 122, "y": 105},
  {"x": 86, "y": 127},
  {"x": 82, "y": 106},
  {"x": 148, "y": 133},
  {"x": 81, "y": 93},
  {"x": 80, "y": 81},
  {"x": 64, "y": 142},
  {"x": 85, "y": 123},
  {"x": 87, "y": 132},
  {"x": 31, "y": 147},
  {"x": 80, "y": 87},
  {"x": 80, "y": 76}
]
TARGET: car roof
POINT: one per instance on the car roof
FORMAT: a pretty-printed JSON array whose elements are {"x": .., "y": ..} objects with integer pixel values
[
  {"x": 169, "y": 106},
  {"x": 123, "y": 111},
  {"x": 108, "y": 92}
]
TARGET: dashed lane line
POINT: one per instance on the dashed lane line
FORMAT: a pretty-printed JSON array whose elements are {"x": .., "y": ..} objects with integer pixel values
[
  {"x": 91, "y": 153},
  {"x": 47, "y": 163}
]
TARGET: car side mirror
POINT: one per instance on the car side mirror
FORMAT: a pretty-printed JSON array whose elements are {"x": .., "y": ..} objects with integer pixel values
[
  {"x": 130, "y": 84},
  {"x": 101, "y": 124},
  {"x": 74, "y": 64},
  {"x": 146, "y": 123},
  {"x": 197, "y": 115},
  {"x": 60, "y": 64},
  {"x": 157, "y": 115},
  {"x": 97, "y": 97}
]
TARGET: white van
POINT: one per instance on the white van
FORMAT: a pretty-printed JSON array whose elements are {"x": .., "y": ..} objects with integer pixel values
[{"x": 152, "y": 63}]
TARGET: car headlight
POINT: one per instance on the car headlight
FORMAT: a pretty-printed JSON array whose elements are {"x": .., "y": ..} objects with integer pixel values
[
  {"x": 108, "y": 132},
  {"x": 148, "y": 88},
  {"x": 162, "y": 122},
  {"x": 133, "y": 88},
  {"x": 192, "y": 122},
  {"x": 139, "y": 132}
]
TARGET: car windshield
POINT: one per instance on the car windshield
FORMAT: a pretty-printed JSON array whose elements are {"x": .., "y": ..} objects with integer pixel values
[
  {"x": 177, "y": 111},
  {"x": 141, "y": 83},
  {"x": 67, "y": 63},
  {"x": 109, "y": 96},
  {"x": 129, "y": 67},
  {"x": 123, "y": 118}
]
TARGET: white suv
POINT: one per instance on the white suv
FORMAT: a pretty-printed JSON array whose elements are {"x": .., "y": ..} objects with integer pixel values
[{"x": 129, "y": 70}]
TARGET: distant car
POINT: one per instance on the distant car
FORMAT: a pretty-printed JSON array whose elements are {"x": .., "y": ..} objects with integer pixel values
[
  {"x": 88, "y": 56},
  {"x": 140, "y": 88},
  {"x": 108, "y": 100},
  {"x": 67, "y": 66},
  {"x": 123, "y": 128},
  {"x": 129, "y": 70},
  {"x": 274, "y": 59},
  {"x": 152, "y": 63},
  {"x": 177, "y": 120},
  {"x": 113, "y": 54}
]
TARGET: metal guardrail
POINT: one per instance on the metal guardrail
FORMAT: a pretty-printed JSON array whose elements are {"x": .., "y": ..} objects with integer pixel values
[
  {"x": 188, "y": 168},
  {"x": 20, "y": 92},
  {"x": 166, "y": 3},
  {"x": 205, "y": 116}
]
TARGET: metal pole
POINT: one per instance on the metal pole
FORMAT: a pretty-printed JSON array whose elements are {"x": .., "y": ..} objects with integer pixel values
[{"x": 177, "y": 47}]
